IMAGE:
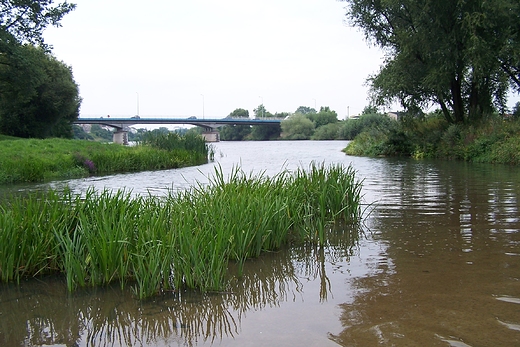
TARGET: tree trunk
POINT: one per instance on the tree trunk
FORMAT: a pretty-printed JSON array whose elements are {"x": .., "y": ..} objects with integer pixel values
[
  {"x": 458, "y": 103},
  {"x": 444, "y": 108}
]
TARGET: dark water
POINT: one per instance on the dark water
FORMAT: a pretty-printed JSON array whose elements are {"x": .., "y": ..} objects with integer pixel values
[{"x": 437, "y": 264}]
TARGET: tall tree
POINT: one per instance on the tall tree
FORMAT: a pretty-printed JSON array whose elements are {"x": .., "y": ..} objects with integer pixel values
[
  {"x": 38, "y": 95},
  {"x": 460, "y": 55}
]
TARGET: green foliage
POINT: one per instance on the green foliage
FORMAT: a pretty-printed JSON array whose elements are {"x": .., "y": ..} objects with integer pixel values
[
  {"x": 297, "y": 127},
  {"x": 101, "y": 133},
  {"x": 261, "y": 112},
  {"x": 353, "y": 127},
  {"x": 235, "y": 132},
  {"x": 43, "y": 160},
  {"x": 327, "y": 132},
  {"x": 172, "y": 141},
  {"x": 38, "y": 95},
  {"x": 239, "y": 113},
  {"x": 80, "y": 134},
  {"x": 305, "y": 110},
  {"x": 516, "y": 111},
  {"x": 183, "y": 240},
  {"x": 24, "y": 21},
  {"x": 324, "y": 117},
  {"x": 493, "y": 141},
  {"x": 461, "y": 55},
  {"x": 265, "y": 132}
]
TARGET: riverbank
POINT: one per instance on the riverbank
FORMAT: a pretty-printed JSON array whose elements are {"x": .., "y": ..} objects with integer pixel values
[
  {"x": 495, "y": 140},
  {"x": 36, "y": 160},
  {"x": 183, "y": 240}
]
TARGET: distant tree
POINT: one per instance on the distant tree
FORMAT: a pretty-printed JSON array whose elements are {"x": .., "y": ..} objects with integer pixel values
[
  {"x": 239, "y": 113},
  {"x": 265, "y": 132},
  {"x": 370, "y": 109},
  {"x": 305, "y": 110},
  {"x": 516, "y": 110},
  {"x": 325, "y": 116},
  {"x": 160, "y": 131},
  {"x": 461, "y": 55},
  {"x": 100, "y": 133},
  {"x": 297, "y": 127},
  {"x": 38, "y": 94},
  {"x": 137, "y": 134},
  {"x": 235, "y": 132},
  {"x": 261, "y": 112},
  {"x": 81, "y": 134},
  {"x": 282, "y": 115},
  {"x": 195, "y": 131},
  {"x": 327, "y": 132}
]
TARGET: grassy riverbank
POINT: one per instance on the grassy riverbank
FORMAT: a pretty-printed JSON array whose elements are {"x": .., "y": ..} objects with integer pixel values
[
  {"x": 493, "y": 140},
  {"x": 183, "y": 240},
  {"x": 34, "y": 160}
]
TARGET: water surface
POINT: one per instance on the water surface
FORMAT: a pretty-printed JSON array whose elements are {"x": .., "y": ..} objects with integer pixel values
[{"x": 437, "y": 264}]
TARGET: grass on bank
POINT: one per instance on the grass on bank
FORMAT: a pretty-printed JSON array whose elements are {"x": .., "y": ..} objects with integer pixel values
[
  {"x": 35, "y": 160},
  {"x": 183, "y": 240},
  {"x": 493, "y": 140}
]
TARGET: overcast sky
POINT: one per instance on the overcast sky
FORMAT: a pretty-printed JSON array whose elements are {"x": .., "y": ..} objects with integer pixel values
[{"x": 208, "y": 58}]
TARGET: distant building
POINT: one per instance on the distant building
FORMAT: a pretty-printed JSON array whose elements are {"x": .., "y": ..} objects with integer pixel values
[{"x": 395, "y": 115}]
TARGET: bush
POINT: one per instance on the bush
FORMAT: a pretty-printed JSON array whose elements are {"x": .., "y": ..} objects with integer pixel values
[
  {"x": 327, "y": 132},
  {"x": 353, "y": 127},
  {"x": 492, "y": 141}
]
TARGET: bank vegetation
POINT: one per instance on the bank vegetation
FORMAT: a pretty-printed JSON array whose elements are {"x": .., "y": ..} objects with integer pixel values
[
  {"x": 495, "y": 139},
  {"x": 38, "y": 160}
]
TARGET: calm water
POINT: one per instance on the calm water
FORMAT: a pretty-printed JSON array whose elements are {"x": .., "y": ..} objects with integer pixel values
[{"x": 438, "y": 264}]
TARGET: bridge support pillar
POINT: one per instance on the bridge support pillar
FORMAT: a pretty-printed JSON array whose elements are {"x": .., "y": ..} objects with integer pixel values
[
  {"x": 121, "y": 137},
  {"x": 211, "y": 135}
]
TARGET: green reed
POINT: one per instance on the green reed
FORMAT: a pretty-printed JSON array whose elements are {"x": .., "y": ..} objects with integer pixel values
[{"x": 183, "y": 240}]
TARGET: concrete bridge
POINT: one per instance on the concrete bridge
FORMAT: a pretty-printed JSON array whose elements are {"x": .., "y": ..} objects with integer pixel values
[{"x": 210, "y": 125}]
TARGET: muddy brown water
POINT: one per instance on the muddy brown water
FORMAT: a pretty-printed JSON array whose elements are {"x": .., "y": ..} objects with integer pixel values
[{"x": 437, "y": 263}]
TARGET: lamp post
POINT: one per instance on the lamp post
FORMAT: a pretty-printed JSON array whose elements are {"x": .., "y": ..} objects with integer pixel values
[
  {"x": 263, "y": 108},
  {"x": 137, "y": 103},
  {"x": 202, "y": 105}
]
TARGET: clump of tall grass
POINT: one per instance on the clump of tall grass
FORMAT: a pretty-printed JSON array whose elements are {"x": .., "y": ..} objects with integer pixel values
[{"x": 183, "y": 240}]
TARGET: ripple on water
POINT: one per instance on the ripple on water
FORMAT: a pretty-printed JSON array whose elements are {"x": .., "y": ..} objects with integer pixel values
[
  {"x": 452, "y": 342},
  {"x": 509, "y": 299}
]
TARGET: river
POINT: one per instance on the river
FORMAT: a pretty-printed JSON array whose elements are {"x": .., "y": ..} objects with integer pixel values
[{"x": 437, "y": 264}]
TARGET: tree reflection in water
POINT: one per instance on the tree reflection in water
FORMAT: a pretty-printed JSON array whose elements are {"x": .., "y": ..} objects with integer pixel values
[{"x": 42, "y": 312}]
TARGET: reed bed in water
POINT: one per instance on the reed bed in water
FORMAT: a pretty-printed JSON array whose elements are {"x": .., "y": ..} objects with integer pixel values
[{"x": 183, "y": 240}]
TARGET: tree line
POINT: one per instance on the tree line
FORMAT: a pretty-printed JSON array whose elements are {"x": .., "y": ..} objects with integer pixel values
[
  {"x": 305, "y": 123},
  {"x": 462, "y": 57}
]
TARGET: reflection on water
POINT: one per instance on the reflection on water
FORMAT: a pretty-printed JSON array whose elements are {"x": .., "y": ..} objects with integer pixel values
[
  {"x": 108, "y": 316},
  {"x": 437, "y": 264},
  {"x": 452, "y": 232}
]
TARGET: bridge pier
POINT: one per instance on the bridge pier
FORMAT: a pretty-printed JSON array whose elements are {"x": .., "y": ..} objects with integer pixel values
[
  {"x": 121, "y": 137},
  {"x": 211, "y": 135}
]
